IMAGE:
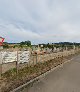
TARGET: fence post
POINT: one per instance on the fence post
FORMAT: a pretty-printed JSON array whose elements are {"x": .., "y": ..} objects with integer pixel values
[
  {"x": 44, "y": 58},
  {"x": 33, "y": 59},
  {"x": 36, "y": 58},
  {"x": 17, "y": 65},
  {"x": 29, "y": 62}
]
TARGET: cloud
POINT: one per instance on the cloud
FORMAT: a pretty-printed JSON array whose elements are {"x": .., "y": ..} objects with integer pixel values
[{"x": 40, "y": 20}]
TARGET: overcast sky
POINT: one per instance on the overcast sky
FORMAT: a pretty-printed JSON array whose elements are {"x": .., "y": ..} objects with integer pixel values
[{"x": 40, "y": 20}]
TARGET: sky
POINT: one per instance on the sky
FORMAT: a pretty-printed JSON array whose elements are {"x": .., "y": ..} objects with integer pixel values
[{"x": 40, "y": 21}]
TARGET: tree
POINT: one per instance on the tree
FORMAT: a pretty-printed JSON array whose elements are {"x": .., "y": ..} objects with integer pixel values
[
  {"x": 28, "y": 43},
  {"x": 25, "y": 43}
]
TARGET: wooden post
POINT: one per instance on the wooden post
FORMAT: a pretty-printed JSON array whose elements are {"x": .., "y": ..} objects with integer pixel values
[
  {"x": 33, "y": 59},
  {"x": 36, "y": 58},
  {"x": 30, "y": 56},
  {"x": 44, "y": 58},
  {"x": 17, "y": 65}
]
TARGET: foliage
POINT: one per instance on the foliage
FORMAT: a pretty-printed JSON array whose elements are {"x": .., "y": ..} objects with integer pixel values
[
  {"x": 25, "y": 43},
  {"x": 5, "y": 45}
]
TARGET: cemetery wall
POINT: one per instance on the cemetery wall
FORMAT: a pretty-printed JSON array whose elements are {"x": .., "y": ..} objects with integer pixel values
[{"x": 27, "y": 59}]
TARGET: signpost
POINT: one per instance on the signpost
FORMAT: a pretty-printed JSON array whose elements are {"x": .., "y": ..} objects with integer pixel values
[{"x": 1, "y": 42}]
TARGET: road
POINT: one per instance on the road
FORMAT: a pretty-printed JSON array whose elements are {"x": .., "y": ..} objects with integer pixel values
[{"x": 62, "y": 79}]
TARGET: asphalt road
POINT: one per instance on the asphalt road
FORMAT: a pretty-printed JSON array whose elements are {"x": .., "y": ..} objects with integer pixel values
[{"x": 63, "y": 79}]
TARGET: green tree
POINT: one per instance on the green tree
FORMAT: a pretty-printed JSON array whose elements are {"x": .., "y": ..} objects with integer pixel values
[{"x": 27, "y": 43}]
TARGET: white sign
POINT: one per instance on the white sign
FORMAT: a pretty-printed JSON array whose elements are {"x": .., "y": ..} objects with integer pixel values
[
  {"x": 9, "y": 56},
  {"x": 23, "y": 56}
]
